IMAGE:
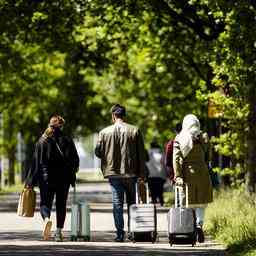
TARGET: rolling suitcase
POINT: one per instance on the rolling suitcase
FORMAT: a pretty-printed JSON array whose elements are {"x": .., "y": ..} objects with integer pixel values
[
  {"x": 80, "y": 220},
  {"x": 181, "y": 220},
  {"x": 142, "y": 220}
]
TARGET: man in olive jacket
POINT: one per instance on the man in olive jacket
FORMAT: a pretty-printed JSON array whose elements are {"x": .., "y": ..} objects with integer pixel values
[{"x": 121, "y": 149}]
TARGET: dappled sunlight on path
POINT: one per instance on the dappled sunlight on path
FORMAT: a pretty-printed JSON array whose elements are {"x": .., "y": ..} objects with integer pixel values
[{"x": 30, "y": 243}]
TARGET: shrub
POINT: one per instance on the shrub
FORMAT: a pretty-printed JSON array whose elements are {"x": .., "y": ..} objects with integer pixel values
[
  {"x": 231, "y": 219},
  {"x": 168, "y": 198}
]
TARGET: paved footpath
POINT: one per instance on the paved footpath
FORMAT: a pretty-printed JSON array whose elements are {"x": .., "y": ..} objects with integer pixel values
[{"x": 22, "y": 236}]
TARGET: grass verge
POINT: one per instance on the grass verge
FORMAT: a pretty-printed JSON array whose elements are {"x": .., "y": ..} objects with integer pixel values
[
  {"x": 12, "y": 189},
  {"x": 168, "y": 198},
  {"x": 231, "y": 219},
  {"x": 94, "y": 175}
]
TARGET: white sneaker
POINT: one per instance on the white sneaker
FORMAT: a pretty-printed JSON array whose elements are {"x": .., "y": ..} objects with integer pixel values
[
  {"x": 58, "y": 237},
  {"x": 47, "y": 229}
]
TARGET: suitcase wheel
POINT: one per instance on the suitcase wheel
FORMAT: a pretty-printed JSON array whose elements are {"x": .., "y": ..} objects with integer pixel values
[
  {"x": 86, "y": 238},
  {"x": 73, "y": 238},
  {"x": 153, "y": 237},
  {"x": 131, "y": 237},
  {"x": 194, "y": 239}
]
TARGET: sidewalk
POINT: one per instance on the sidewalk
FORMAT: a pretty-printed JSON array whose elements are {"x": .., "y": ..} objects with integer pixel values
[{"x": 22, "y": 236}]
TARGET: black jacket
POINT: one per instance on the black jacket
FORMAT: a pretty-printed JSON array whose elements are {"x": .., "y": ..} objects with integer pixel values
[{"x": 53, "y": 165}]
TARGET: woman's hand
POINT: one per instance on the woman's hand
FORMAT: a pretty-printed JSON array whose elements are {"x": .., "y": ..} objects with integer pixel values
[{"x": 179, "y": 181}]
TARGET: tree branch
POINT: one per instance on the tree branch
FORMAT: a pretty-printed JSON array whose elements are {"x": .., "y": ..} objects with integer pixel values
[{"x": 189, "y": 17}]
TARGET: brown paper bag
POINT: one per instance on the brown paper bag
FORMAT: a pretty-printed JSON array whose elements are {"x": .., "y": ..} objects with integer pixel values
[{"x": 27, "y": 203}]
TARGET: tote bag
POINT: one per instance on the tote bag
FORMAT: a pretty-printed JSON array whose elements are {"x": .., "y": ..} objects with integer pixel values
[{"x": 27, "y": 203}]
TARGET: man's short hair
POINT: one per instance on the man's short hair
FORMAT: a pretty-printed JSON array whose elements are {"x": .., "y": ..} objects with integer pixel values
[{"x": 118, "y": 111}]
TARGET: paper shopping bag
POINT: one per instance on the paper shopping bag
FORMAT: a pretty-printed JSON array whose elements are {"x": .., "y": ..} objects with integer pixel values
[{"x": 27, "y": 203}]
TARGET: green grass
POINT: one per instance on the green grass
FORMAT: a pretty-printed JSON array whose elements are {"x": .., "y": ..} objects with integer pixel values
[
  {"x": 168, "y": 199},
  {"x": 90, "y": 176},
  {"x": 231, "y": 219},
  {"x": 12, "y": 189}
]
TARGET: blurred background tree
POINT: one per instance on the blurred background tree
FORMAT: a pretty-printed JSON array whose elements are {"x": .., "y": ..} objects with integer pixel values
[{"x": 162, "y": 59}]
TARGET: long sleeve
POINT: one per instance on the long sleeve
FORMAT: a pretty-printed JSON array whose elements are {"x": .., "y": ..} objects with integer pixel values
[
  {"x": 74, "y": 156},
  {"x": 99, "y": 147},
  {"x": 32, "y": 174},
  {"x": 169, "y": 153},
  {"x": 140, "y": 155},
  {"x": 73, "y": 160},
  {"x": 39, "y": 164},
  {"x": 177, "y": 159}
]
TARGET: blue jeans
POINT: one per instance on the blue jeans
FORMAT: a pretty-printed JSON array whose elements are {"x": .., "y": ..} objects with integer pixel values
[{"x": 121, "y": 186}]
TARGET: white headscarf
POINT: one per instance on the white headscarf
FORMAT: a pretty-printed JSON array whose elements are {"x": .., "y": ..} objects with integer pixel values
[{"x": 190, "y": 131}]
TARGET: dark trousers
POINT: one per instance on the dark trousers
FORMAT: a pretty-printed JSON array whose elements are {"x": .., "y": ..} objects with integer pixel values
[
  {"x": 156, "y": 187},
  {"x": 47, "y": 193}
]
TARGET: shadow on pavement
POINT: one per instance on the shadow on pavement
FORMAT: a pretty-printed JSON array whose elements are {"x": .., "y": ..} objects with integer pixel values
[
  {"x": 35, "y": 236},
  {"x": 89, "y": 249},
  {"x": 30, "y": 243}
]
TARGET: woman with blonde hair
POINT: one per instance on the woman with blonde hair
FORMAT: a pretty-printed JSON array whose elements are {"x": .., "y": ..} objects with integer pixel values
[{"x": 54, "y": 168}]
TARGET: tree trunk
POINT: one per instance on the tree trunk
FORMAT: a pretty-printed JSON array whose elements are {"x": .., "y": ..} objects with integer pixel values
[
  {"x": 26, "y": 164},
  {"x": 251, "y": 142},
  {"x": 11, "y": 171}
]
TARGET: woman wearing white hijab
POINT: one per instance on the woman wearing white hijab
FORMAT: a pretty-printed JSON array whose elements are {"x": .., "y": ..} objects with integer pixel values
[{"x": 190, "y": 168}]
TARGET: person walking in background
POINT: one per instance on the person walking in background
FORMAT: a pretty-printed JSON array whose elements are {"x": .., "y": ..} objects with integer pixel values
[
  {"x": 54, "y": 168},
  {"x": 190, "y": 168},
  {"x": 208, "y": 159},
  {"x": 157, "y": 174},
  {"x": 168, "y": 155},
  {"x": 121, "y": 149}
]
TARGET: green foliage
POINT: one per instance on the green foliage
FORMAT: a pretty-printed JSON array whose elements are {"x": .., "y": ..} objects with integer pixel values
[
  {"x": 39, "y": 71},
  {"x": 233, "y": 64},
  {"x": 169, "y": 198},
  {"x": 11, "y": 189},
  {"x": 233, "y": 224},
  {"x": 137, "y": 65},
  {"x": 162, "y": 59}
]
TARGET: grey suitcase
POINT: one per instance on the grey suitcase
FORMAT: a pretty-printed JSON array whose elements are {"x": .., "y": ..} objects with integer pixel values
[
  {"x": 142, "y": 220},
  {"x": 80, "y": 220},
  {"x": 181, "y": 221}
]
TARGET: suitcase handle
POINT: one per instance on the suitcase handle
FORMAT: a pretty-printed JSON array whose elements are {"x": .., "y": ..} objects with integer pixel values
[
  {"x": 179, "y": 195},
  {"x": 74, "y": 194},
  {"x": 137, "y": 192}
]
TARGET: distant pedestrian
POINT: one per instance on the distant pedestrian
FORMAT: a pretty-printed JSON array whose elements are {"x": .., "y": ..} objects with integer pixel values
[
  {"x": 121, "y": 150},
  {"x": 54, "y": 168},
  {"x": 190, "y": 168},
  {"x": 168, "y": 155},
  {"x": 208, "y": 159},
  {"x": 157, "y": 174}
]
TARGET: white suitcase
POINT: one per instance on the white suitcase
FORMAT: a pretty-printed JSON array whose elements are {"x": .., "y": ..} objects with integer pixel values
[
  {"x": 142, "y": 220},
  {"x": 80, "y": 220},
  {"x": 181, "y": 221}
]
